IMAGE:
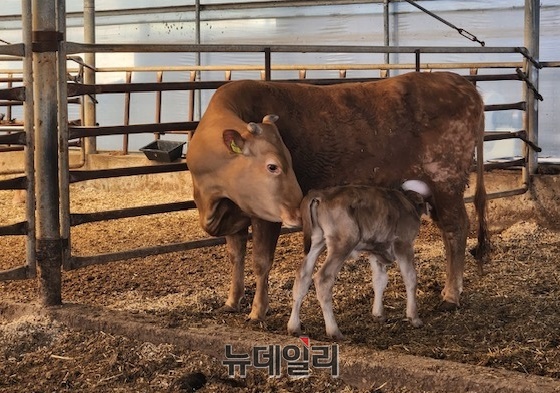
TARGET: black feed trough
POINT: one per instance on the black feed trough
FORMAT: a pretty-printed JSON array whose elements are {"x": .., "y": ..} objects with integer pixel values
[{"x": 163, "y": 151}]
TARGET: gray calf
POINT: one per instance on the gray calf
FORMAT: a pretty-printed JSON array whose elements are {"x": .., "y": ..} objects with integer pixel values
[{"x": 347, "y": 220}]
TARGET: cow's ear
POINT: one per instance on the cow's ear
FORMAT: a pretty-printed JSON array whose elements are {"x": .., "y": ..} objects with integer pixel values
[{"x": 234, "y": 141}]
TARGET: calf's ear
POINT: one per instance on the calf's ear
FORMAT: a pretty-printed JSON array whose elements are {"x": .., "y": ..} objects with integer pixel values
[{"x": 233, "y": 141}]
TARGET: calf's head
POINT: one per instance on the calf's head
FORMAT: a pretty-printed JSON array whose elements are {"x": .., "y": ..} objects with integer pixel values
[{"x": 258, "y": 174}]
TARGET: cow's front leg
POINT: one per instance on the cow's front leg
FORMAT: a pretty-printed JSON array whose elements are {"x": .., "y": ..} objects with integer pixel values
[
  {"x": 236, "y": 250},
  {"x": 265, "y": 237}
]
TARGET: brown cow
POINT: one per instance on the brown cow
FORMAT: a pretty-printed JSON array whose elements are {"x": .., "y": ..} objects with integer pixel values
[
  {"x": 414, "y": 126},
  {"x": 346, "y": 220}
]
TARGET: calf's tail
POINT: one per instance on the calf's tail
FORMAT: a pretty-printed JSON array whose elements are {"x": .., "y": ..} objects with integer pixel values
[
  {"x": 309, "y": 220},
  {"x": 482, "y": 250}
]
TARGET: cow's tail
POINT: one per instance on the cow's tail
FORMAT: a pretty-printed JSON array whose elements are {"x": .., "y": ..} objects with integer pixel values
[
  {"x": 482, "y": 250},
  {"x": 309, "y": 220}
]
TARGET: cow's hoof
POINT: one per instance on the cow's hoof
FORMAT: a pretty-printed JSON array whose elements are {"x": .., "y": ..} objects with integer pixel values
[
  {"x": 257, "y": 323},
  {"x": 446, "y": 306},
  {"x": 227, "y": 309}
]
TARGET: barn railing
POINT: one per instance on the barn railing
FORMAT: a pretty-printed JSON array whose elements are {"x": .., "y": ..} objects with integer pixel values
[{"x": 78, "y": 133}]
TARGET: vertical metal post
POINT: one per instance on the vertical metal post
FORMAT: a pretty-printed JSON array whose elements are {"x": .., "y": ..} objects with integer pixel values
[
  {"x": 386, "y": 33},
  {"x": 267, "y": 65},
  {"x": 159, "y": 78},
  {"x": 29, "y": 137},
  {"x": 126, "y": 111},
  {"x": 49, "y": 253},
  {"x": 198, "y": 60},
  {"x": 532, "y": 31},
  {"x": 63, "y": 153},
  {"x": 89, "y": 73}
]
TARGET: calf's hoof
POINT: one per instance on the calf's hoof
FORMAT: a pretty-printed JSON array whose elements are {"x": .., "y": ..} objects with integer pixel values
[
  {"x": 379, "y": 319},
  {"x": 416, "y": 322},
  {"x": 336, "y": 336},
  {"x": 296, "y": 332}
]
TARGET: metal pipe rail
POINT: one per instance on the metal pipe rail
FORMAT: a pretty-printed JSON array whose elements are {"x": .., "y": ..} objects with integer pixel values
[
  {"x": 81, "y": 175},
  {"x": 76, "y": 262},
  {"x": 83, "y": 218}
]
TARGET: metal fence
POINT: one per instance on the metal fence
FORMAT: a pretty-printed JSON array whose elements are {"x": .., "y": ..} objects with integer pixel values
[{"x": 47, "y": 136}]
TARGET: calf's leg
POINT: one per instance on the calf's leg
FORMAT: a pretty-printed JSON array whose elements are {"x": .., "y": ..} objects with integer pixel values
[
  {"x": 379, "y": 279},
  {"x": 302, "y": 282},
  {"x": 324, "y": 282},
  {"x": 405, "y": 259}
]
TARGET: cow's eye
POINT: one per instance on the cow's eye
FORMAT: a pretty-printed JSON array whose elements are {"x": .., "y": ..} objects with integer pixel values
[{"x": 273, "y": 168}]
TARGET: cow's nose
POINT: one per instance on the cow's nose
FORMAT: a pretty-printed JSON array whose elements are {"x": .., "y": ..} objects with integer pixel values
[{"x": 291, "y": 217}]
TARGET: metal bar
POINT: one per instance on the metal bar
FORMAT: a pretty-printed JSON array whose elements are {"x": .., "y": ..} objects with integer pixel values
[
  {"x": 16, "y": 183},
  {"x": 46, "y": 155},
  {"x": 81, "y": 132},
  {"x": 13, "y": 50},
  {"x": 74, "y": 47},
  {"x": 17, "y": 138},
  {"x": 522, "y": 105},
  {"x": 77, "y": 262},
  {"x": 333, "y": 66},
  {"x": 127, "y": 112},
  {"x": 82, "y": 218},
  {"x": 9, "y": 107},
  {"x": 14, "y": 93},
  {"x": 500, "y": 194},
  {"x": 89, "y": 73},
  {"x": 11, "y": 148},
  {"x": 506, "y": 164},
  {"x": 531, "y": 118},
  {"x": 267, "y": 63},
  {"x": 500, "y": 135},
  {"x": 157, "y": 135},
  {"x": 63, "y": 153},
  {"x": 112, "y": 88},
  {"x": 17, "y": 273},
  {"x": 386, "y": 31},
  {"x": 19, "y": 228},
  {"x": 84, "y": 89},
  {"x": 463, "y": 32},
  {"x": 81, "y": 175}
]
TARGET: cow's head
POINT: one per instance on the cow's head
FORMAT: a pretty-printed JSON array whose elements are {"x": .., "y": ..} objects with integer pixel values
[{"x": 258, "y": 174}]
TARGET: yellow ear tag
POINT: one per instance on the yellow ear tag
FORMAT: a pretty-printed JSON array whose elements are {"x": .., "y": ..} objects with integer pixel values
[{"x": 235, "y": 148}]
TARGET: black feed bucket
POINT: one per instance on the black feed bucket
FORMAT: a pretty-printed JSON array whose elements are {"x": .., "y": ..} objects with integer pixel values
[{"x": 163, "y": 151}]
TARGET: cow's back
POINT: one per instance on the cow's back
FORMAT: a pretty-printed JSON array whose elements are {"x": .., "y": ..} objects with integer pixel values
[{"x": 417, "y": 125}]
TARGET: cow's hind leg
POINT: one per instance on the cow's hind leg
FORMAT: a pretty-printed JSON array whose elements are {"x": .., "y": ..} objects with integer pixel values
[
  {"x": 453, "y": 222},
  {"x": 303, "y": 281},
  {"x": 236, "y": 250},
  {"x": 405, "y": 259},
  {"x": 265, "y": 237}
]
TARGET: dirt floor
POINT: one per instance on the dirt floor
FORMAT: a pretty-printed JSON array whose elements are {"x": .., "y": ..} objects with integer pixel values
[{"x": 509, "y": 317}]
